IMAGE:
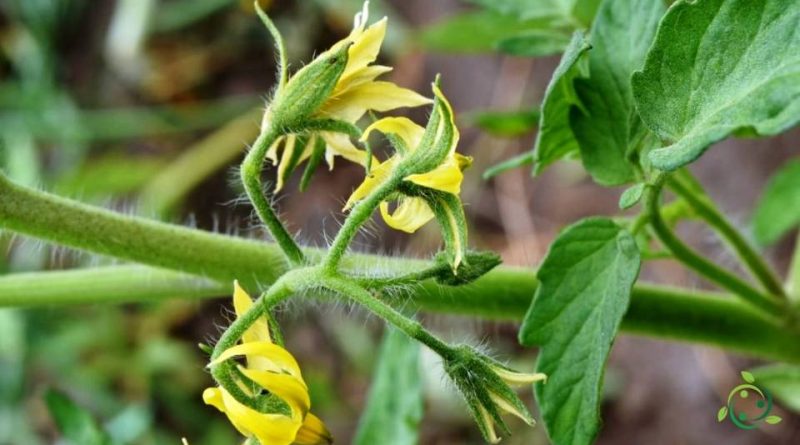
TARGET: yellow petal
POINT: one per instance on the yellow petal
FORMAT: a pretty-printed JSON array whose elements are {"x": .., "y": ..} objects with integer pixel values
[
  {"x": 366, "y": 46},
  {"x": 410, "y": 214},
  {"x": 518, "y": 378},
  {"x": 272, "y": 152},
  {"x": 292, "y": 390},
  {"x": 377, "y": 96},
  {"x": 446, "y": 177},
  {"x": 511, "y": 409},
  {"x": 359, "y": 77},
  {"x": 313, "y": 432},
  {"x": 488, "y": 423},
  {"x": 409, "y": 132},
  {"x": 338, "y": 144},
  {"x": 272, "y": 429},
  {"x": 242, "y": 302},
  {"x": 213, "y": 397},
  {"x": 286, "y": 157},
  {"x": 280, "y": 359},
  {"x": 375, "y": 178}
]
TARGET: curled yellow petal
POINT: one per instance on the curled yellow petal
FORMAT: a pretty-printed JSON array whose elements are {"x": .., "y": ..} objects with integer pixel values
[
  {"x": 289, "y": 388},
  {"x": 518, "y": 378},
  {"x": 359, "y": 77},
  {"x": 338, "y": 144},
  {"x": 378, "y": 95},
  {"x": 313, "y": 432},
  {"x": 410, "y": 214},
  {"x": 242, "y": 302},
  {"x": 273, "y": 429},
  {"x": 366, "y": 45},
  {"x": 375, "y": 178},
  {"x": 279, "y": 359},
  {"x": 409, "y": 132},
  {"x": 446, "y": 177}
]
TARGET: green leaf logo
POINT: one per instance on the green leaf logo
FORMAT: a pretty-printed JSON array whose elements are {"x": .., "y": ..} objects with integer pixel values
[
  {"x": 748, "y": 377},
  {"x": 772, "y": 420},
  {"x": 722, "y": 413}
]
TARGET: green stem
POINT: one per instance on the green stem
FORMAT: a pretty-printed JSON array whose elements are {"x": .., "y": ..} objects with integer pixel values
[
  {"x": 360, "y": 213},
  {"x": 410, "y": 327},
  {"x": 702, "y": 266},
  {"x": 706, "y": 210},
  {"x": 503, "y": 294},
  {"x": 251, "y": 178},
  {"x": 793, "y": 278}
]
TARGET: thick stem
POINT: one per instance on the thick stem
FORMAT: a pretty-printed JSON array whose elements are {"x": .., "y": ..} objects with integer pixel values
[
  {"x": 251, "y": 178},
  {"x": 706, "y": 210},
  {"x": 702, "y": 266},
  {"x": 503, "y": 294}
]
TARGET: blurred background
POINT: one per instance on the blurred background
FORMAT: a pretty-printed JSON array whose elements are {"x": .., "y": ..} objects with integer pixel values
[{"x": 146, "y": 107}]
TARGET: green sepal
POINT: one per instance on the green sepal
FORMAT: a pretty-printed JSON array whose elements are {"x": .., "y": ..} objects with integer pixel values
[
  {"x": 313, "y": 162},
  {"x": 437, "y": 140},
  {"x": 453, "y": 223},
  {"x": 474, "y": 266}
]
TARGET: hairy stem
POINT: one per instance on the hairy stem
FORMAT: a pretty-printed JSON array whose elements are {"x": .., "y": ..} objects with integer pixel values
[
  {"x": 251, "y": 178},
  {"x": 702, "y": 266},
  {"x": 360, "y": 213},
  {"x": 706, "y": 210},
  {"x": 410, "y": 327},
  {"x": 503, "y": 293}
]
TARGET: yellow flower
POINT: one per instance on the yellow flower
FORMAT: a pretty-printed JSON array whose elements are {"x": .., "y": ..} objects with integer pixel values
[
  {"x": 442, "y": 171},
  {"x": 273, "y": 369},
  {"x": 356, "y": 91}
]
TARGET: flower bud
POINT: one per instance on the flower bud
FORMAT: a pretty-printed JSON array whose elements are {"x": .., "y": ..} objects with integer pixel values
[
  {"x": 474, "y": 266},
  {"x": 485, "y": 385},
  {"x": 307, "y": 90}
]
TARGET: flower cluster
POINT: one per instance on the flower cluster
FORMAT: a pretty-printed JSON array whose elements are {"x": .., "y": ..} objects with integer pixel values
[
  {"x": 338, "y": 87},
  {"x": 313, "y": 116},
  {"x": 276, "y": 408}
]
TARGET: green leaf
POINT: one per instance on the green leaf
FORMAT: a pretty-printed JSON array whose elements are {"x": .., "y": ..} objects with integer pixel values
[
  {"x": 607, "y": 126},
  {"x": 394, "y": 406},
  {"x": 585, "y": 286},
  {"x": 567, "y": 12},
  {"x": 722, "y": 413},
  {"x": 631, "y": 196},
  {"x": 506, "y": 123},
  {"x": 747, "y": 377},
  {"x": 75, "y": 424},
  {"x": 783, "y": 381},
  {"x": 555, "y": 139},
  {"x": 535, "y": 43},
  {"x": 778, "y": 210},
  {"x": 719, "y": 67},
  {"x": 475, "y": 31}
]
